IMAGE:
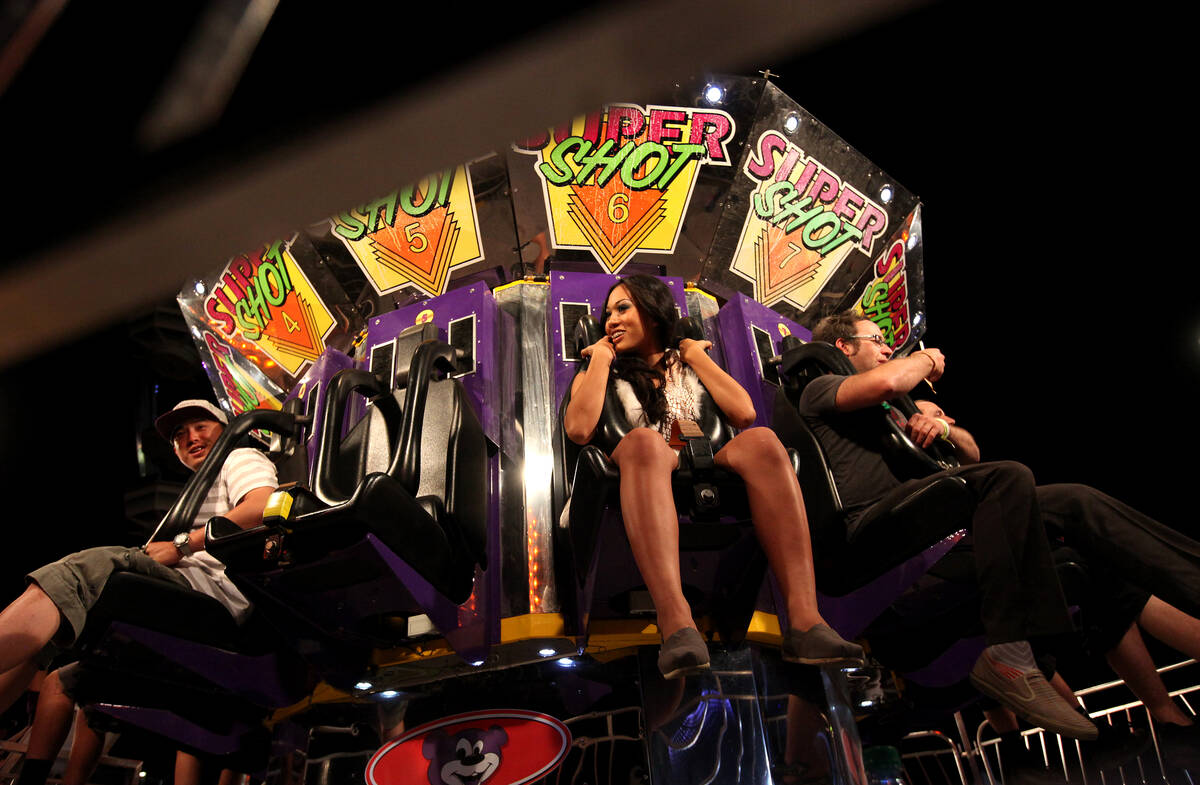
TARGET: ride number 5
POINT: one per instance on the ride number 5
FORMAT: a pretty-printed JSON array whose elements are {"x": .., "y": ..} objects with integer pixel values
[{"x": 417, "y": 241}]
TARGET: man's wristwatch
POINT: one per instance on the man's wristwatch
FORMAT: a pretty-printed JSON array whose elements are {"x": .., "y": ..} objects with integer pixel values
[{"x": 183, "y": 543}]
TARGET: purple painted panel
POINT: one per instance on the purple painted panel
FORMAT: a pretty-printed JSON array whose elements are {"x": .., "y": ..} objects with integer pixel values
[
  {"x": 850, "y": 614},
  {"x": 255, "y": 678},
  {"x": 465, "y": 629},
  {"x": 744, "y": 323},
  {"x": 482, "y": 384},
  {"x": 314, "y": 383}
]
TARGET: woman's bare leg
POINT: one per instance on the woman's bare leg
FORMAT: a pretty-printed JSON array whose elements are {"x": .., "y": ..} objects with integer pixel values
[
  {"x": 187, "y": 768},
  {"x": 1171, "y": 626},
  {"x": 648, "y": 509},
  {"x": 1130, "y": 660},
  {"x": 777, "y": 507}
]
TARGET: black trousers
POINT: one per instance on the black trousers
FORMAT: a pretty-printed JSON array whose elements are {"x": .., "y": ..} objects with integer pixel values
[
  {"x": 1020, "y": 595},
  {"x": 1117, "y": 539}
]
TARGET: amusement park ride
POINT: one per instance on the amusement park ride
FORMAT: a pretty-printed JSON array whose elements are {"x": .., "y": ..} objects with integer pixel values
[{"x": 416, "y": 582}]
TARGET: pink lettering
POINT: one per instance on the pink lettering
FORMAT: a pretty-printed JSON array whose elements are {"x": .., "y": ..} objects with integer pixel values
[
  {"x": 709, "y": 129},
  {"x": 848, "y": 203},
  {"x": 824, "y": 187},
  {"x": 660, "y": 131},
  {"x": 810, "y": 168},
  {"x": 768, "y": 145},
  {"x": 871, "y": 222},
  {"x": 624, "y": 121}
]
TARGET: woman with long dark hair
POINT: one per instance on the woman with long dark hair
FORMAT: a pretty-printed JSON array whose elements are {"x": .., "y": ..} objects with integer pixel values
[{"x": 658, "y": 386}]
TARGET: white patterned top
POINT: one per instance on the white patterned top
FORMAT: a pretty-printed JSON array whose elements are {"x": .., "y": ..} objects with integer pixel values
[{"x": 682, "y": 389}]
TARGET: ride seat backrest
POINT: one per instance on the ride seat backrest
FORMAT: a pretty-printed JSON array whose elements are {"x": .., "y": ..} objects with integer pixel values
[
  {"x": 364, "y": 450},
  {"x": 453, "y": 461},
  {"x": 368, "y": 446},
  {"x": 822, "y": 502},
  {"x": 803, "y": 362},
  {"x": 443, "y": 464}
]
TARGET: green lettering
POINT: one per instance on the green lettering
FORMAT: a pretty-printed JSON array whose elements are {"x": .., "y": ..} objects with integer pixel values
[
  {"x": 797, "y": 212},
  {"x": 250, "y": 328},
  {"x": 252, "y": 309},
  {"x": 275, "y": 292},
  {"x": 387, "y": 205},
  {"x": 285, "y": 276},
  {"x": 347, "y": 225},
  {"x": 874, "y": 300},
  {"x": 766, "y": 201},
  {"x": 447, "y": 178},
  {"x": 600, "y": 156},
  {"x": 274, "y": 252},
  {"x": 683, "y": 153},
  {"x": 637, "y": 157},
  {"x": 848, "y": 233},
  {"x": 246, "y": 392},
  {"x": 556, "y": 169},
  {"x": 428, "y": 201},
  {"x": 814, "y": 236}
]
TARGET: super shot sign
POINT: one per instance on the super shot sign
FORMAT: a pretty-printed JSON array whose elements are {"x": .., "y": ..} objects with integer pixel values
[{"x": 618, "y": 182}]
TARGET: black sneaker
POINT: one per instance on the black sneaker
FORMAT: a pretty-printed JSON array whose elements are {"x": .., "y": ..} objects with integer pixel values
[
  {"x": 1022, "y": 766},
  {"x": 1179, "y": 745}
]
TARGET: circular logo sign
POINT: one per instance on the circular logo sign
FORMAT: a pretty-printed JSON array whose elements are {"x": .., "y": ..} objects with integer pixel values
[{"x": 499, "y": 747}]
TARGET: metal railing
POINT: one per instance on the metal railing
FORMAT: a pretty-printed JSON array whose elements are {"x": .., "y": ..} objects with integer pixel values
[{"x": 945, "y": 762}]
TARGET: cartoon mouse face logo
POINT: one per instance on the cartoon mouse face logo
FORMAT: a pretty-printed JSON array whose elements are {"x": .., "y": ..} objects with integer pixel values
[
  {"x": 468, "y": 757},
  {"x": 518, "y": 747}
]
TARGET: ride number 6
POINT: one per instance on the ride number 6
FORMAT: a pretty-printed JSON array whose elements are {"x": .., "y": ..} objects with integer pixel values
[{"x": 618, "y": 208}]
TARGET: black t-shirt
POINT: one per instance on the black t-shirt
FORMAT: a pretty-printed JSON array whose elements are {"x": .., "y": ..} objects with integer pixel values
[{"x": 852, "y": 445}]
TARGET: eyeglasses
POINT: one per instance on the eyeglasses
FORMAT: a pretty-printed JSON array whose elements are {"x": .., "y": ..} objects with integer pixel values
[{"x": 875, "y": 339}]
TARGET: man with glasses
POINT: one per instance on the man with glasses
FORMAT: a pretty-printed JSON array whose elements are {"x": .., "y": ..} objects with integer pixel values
[{"x": 1020, "y": 594}]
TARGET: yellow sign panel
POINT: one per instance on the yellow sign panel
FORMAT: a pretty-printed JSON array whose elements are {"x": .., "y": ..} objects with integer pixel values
[
  {"x": 264, "y": 302},
  {"x": 618, "y": 181},
  {"x": 803, "y": 221},
  {"x": 415, "y": 236}
]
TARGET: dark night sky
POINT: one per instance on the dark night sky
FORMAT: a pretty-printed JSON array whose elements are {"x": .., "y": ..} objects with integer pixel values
[
  {"x": 1071, "y": 346},
  {"x": 1041, "y": 146}
]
